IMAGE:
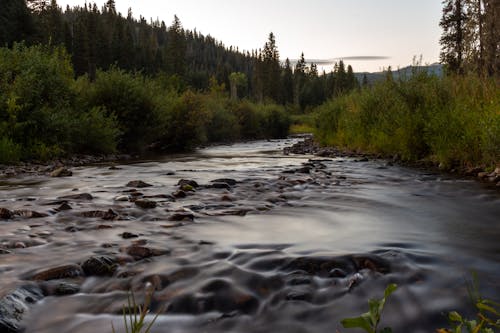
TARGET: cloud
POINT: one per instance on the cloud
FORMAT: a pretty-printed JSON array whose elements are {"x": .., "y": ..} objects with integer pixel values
[{"x": 334, "y": 60}]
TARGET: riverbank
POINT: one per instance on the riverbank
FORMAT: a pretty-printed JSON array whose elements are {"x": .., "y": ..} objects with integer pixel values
[{"x": 310, "y": 146}]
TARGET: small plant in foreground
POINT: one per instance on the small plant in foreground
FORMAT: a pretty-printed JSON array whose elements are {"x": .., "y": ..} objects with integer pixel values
[
  {"x": 370, "y": 320},
  {"x": 134, "y": 315},
  {"x": 488, "y": 316}
]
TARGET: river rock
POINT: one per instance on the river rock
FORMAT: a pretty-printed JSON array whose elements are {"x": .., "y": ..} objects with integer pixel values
[
  {"x": 190, "y": 182},
  {"x": 29, "y": 214},
  {"x": 61, "y": 172},
  {"x": 100, "y": 266},
  {"x": 63, "y": 207},
  {"x": 59, "y": 288},
  {"x": 60, "y": 272},
  {"x": 128, "y": 235},
  {"x": 182, "y": 216},
  {"x": 229, "y": 181},
  {"x": 105, "y": 215},
  {"x": 5, "y": 214},
  {"x": 179, "y": 194},
  {"x": 220, "y": 186},
  {"x": 138, "y": 184},
  {"x": 14, "y": 305},
  {"x": 80, "y": 196},
  {"x": 146, "y": 204},
  {"x": 187, "y": 188},
  {"x": 141, "y": 252}
]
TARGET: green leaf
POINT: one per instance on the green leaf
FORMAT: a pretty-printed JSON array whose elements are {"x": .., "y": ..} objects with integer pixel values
[
  {"x": 358, "y": 322},
  {"x": 483, "y": 307},
  {"x": 390, "y": 289},
  {"x": 386, "y": 330},
  {"x": 455, "y": 316}
]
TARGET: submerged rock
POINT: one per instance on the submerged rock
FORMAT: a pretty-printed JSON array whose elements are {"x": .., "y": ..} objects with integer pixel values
[
  {"x": 229, "y": 181},
  {"x": 138, "y": 184},
  {"x": 14, "y": 305},
  {"x": 141, "y": 252},
  {"x": 59, "y": 288},
  {"x": 81, "y": 196}
]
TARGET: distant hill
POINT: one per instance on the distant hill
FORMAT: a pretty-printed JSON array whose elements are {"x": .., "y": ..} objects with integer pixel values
[{"x": 405, "y": 72}]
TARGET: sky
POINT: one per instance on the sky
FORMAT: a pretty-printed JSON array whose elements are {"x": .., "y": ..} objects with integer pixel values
[{"x": 393, "y": 32}]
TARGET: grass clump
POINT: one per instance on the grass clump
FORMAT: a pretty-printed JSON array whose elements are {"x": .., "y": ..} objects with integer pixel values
[{"x": 134, "y": 315}]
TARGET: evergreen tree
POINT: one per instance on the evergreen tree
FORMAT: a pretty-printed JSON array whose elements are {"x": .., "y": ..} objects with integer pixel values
[
  {"x": 453, "y": 22},
  {"x": 176, "y": 49},
  {"x": 15, "y": 22},
  {"x": 287, "y": 83}
]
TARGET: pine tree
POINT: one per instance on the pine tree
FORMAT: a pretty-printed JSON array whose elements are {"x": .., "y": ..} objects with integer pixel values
[
  {"x": 15, "y": 21},
  {"x": 287, "y": 83},
  {"x": 453, "y": 22},
  {"x": 176, "y": 49}
]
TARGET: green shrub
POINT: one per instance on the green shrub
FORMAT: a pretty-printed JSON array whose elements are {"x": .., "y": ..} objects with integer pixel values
[
  {"x": 9, "y": 151},
  {"x": 451, "y": 120},
  {"x": 130, "y": 98}
]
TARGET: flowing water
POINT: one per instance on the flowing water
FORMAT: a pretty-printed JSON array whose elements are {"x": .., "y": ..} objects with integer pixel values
[{"x": 294, "y": 245}]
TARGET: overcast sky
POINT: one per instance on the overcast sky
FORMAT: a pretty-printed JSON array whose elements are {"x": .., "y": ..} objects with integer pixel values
[{"x": 322, "y": 29}]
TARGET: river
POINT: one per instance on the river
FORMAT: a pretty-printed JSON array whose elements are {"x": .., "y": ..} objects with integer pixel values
[{"x": 281, "y": 243}]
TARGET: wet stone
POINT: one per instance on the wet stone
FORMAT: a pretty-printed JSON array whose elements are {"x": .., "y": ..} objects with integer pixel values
[
  {"x": 29, "y": 214},
  {"x": 15, "y": 304},
  {"x": 189, "y": 182},
  {"x": 184, "y": 216},
  {"x": 59, "y": 288},
  {"x": 105, "y": 215},
  {"x": 179, "y": 194},
  {"x": 61, "y": 272},
  {"x": 142, "y": 252},
  {"x": 63, "y": 207},
  {"x": 228, "y": 181},
  {"x": 146, "y": 204},
  {"x": 129, "y": 235},
  {"x": 61, "y": 172},
  {"x": 138, "y": 184},
  {"x": 220, "y": 186},
  {"x": 100, "y": 266},
  {"x": 81, "y": 196},
  {"x": 5, "y": 214}
]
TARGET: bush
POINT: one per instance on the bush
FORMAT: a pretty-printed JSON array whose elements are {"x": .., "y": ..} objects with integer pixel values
[
  {"x": 451, "y": 120},
  {"x": 130, "y": 99}
]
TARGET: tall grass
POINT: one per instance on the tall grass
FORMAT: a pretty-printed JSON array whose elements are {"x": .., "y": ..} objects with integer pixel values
[{"x": 453, "y": 120}]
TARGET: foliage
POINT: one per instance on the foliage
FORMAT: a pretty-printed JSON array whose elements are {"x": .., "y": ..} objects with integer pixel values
[
  {"x": 488, "y": 316},
  {"x": 128, "y": 97},
  {"x": 452, "y": 120},
  {"x": 370, "y": 320},
  {"x": 134, "y": 315}
]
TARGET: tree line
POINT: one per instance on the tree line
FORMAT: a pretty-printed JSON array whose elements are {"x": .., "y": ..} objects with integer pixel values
[
  {"x": 470, "y": 41},
  {"x": 99, "y": 38}
]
